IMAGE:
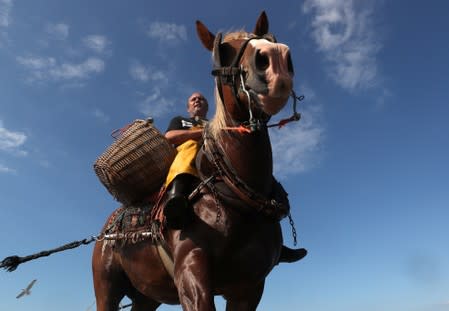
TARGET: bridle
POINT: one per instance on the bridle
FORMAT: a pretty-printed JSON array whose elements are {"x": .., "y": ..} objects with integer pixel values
[
  {"x": 228, "y": 75},
  {"x": 213, "y": 152}
]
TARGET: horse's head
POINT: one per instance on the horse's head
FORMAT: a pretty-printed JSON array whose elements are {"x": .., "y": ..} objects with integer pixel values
[{"x": 251, "y": 68}]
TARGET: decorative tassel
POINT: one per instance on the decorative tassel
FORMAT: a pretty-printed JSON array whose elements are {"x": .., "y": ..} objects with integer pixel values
[{"x": 11, "y": 263}]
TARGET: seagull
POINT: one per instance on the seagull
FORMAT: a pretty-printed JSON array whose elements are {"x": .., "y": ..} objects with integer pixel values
[{"x": 26, "y": 291}]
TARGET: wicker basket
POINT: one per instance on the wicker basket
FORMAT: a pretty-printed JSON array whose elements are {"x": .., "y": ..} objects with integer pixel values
[{"x": 136, "y": 164}]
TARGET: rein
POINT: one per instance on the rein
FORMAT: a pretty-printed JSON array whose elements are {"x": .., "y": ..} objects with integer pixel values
[
  {"x": 247, "y": 127},
  {"x": 225, "y": 170}
]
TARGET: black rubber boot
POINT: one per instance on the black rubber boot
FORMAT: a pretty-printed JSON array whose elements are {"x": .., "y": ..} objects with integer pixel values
[
  {"x": 292, "y": 255},
  {"x": 177, "y": 211}
]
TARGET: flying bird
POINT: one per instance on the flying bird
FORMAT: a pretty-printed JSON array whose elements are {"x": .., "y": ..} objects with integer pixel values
[{"x": 27, "y": 290}]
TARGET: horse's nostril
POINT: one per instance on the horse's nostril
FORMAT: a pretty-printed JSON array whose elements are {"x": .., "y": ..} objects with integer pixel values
[{"x": 262, "y": 61}]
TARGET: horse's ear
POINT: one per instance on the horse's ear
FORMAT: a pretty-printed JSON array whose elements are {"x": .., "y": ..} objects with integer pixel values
[
  {"x": 206, "y": 37},
  {"x": 261, "y": 25}
]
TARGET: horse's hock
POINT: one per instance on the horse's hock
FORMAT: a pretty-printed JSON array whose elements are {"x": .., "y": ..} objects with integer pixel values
[{"x": 136, "y": 164}]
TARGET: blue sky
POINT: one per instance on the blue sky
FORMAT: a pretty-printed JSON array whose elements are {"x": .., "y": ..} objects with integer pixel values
[{"x": 367, "y": 167}]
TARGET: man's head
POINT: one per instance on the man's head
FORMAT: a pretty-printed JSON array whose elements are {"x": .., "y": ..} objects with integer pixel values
[{"x": 197, "y": 105}]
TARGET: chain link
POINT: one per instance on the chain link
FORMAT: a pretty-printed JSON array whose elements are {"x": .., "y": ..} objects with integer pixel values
[
  {"x": 292, "y": 225},
  {"x": 217, "y": 203}
]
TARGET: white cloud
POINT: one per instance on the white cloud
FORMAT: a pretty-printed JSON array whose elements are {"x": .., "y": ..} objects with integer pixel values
[
  {"x": 97, "y": 43},
  {"x": 344, "y": 35},
  {"x": 156, "y": 105},
  {"x": 36, "y": 63},
  {"x": 5, "y": 169},
  {"x": 99, "y": 114},
  {"x": 143, "y": 73},
  {"x": 167, "y": 32},
  {"x": 5, "y": 11},
  {"x": 10, "y": 140},
  {"x": 48, "y": 68},
  {"x": 296, "y": 146},
  {"x": 77, "y": 71},
  {"x": 58, "y": 31}
]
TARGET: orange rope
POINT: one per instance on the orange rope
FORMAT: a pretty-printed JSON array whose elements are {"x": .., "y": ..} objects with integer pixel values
[{"x": 240, "y": 129}]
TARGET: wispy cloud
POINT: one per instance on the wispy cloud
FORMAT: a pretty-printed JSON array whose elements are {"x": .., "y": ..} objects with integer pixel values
[
  {"x": 156, "y": 105},
  {"x": 297, "y": 146},
  {"x": 5, "y": 169},
  {"x": 100, "y": 115},
  {"x": 343, "y": 33},
  {"x": 5, "y": 10},
  {"x": 59, "y": 31},
  {"x": 166, "y": 32},
  {"x": 97, "y": 43},
  {"x": 78, "y": 71},
  {"x": 143, "y": 73},
  {"x": 48, "y": 68},
  {"x": 5, "y": 19},
  {"x": 9, "y": 139}
]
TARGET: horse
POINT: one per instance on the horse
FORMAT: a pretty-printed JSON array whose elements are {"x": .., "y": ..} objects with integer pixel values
[{"x": 234, "y": 239}]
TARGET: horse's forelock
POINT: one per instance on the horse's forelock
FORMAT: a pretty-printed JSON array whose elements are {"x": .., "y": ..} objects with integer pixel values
[{"x": 236, "y": 35}]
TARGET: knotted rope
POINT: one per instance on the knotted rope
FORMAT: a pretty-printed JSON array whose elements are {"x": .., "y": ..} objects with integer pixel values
[{"x": 12, "y": 262}]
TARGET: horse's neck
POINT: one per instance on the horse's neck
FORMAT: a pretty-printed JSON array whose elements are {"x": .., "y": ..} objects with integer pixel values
[{"x": 251, "y": 158}]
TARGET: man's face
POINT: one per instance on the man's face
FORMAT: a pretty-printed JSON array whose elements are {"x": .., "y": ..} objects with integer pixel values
[{"x": 197, "y": 105}]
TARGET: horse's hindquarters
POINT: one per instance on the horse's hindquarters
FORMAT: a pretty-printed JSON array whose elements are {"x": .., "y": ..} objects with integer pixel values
[{"x": 130, "y": 269}]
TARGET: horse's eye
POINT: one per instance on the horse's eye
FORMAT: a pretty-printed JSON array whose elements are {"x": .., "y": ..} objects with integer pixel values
[
  {"x": 262, "y": 61},
  {"x": 290, "y": 63}
]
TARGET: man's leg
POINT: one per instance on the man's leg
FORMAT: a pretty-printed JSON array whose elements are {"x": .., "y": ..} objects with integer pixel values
[
  {"x": 177, "y": 211},
  {"x": 180, "y": 178}
]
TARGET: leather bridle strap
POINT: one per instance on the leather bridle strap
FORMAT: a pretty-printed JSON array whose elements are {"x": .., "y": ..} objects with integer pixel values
[
  {"x": 227, "y": 75},
  {"x": 254, "y": 199}
]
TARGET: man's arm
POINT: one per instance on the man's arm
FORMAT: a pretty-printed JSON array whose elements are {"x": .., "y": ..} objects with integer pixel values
[{"x": 177, "y": 137}]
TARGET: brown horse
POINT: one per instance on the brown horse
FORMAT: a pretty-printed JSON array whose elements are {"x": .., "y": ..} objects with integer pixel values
[{"x": 234, "y": 239}]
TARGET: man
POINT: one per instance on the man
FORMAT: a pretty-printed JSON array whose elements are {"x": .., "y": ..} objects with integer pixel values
[{"x": 185, "y": 133}]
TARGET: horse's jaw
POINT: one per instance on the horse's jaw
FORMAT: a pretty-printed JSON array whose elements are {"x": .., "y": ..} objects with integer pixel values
[{"x": 272, "y": 105}]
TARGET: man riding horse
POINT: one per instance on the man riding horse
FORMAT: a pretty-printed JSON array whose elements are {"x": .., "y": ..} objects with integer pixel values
[
  {"x": 231, "y": 239},
  {"x": 186, "y": 134}
]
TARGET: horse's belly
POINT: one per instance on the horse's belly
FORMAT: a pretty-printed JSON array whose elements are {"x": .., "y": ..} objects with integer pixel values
[
  {"x": 247, "y": 266},
  {"x": 147, "y": 274}
]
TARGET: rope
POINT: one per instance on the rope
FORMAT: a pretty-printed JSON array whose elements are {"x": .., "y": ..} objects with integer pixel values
[
  {"x": 125, "y": 306},
  {"x": 240, "y": 129},
  {"x": 12, "y": 262}
]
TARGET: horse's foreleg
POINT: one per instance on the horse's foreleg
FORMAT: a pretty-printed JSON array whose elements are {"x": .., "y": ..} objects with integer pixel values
[
  {"x": 193, "y": 282},
  {"x": 245, "y": 301},
  {"x": 108, "y": 278}
]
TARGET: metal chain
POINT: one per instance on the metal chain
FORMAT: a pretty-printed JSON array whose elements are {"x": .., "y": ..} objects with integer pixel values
[
  {"x": 292, "y": 225},
  {"x": 217, "y": 203}
]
